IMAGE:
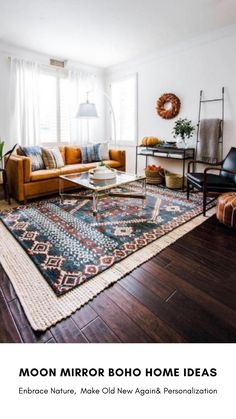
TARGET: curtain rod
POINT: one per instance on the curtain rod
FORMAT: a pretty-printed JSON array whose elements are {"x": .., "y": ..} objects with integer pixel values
[{"x": 49, "y": 66}]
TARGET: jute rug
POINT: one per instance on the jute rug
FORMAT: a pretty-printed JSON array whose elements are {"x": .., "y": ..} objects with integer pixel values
[{"x": 166, "y": 217}]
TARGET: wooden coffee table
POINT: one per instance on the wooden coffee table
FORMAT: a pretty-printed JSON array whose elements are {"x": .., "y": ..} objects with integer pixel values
[{"x": 102, "y": 188}]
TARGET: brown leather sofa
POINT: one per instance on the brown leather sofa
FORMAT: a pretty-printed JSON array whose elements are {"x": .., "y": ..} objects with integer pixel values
[{"x": 25, "y": 184}]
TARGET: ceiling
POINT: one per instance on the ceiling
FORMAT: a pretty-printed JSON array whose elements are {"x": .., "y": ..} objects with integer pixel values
[{"x": 106, "y": 32}]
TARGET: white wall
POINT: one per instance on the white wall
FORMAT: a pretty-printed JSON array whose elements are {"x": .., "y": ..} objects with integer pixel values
[
  {"x": 5, "y": 52},
  {"x": 208, "y": 65}
]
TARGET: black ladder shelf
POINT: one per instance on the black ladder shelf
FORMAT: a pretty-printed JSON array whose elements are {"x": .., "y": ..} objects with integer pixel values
[{"x": 201, "y": 100}]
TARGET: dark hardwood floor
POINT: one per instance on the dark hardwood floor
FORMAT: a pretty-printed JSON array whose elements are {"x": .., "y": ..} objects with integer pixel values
[{"x": 184, "y": 294}]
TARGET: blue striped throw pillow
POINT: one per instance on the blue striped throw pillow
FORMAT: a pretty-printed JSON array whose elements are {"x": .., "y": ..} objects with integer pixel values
[
  {"x": 35, "y": 154},
  {"x": 90, "y": 153}
]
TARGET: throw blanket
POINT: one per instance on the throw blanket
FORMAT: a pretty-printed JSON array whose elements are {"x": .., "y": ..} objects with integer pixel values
[{"x": 210, "y": 133}]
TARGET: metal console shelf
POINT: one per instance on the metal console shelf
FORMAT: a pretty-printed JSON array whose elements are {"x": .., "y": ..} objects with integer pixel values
[{"x": 173, "y": 153}]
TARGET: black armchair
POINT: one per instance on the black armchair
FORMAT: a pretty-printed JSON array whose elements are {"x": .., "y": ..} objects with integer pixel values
[{"x": 224, "y": 181}]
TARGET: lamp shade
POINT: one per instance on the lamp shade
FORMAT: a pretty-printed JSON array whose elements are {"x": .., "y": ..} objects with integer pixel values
[{"x": 87, "y": 110}]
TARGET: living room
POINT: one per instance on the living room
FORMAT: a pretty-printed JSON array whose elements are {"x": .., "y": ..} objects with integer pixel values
[{"x": 99, "y": 203}]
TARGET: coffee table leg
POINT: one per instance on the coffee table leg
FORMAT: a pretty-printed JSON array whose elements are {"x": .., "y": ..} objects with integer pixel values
[
  {"x": 95, "y": 204},
  {"x": 61, "y": 190},
  {"x": 144, "y": 188},
  {"x": 144, "y": 191}
]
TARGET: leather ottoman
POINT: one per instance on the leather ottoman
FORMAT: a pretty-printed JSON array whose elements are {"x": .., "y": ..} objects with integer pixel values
[{"x": 226, "y": 209}]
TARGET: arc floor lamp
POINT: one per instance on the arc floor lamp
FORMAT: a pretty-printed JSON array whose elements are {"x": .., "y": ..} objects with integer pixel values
[{"x": 88, "y": 110}]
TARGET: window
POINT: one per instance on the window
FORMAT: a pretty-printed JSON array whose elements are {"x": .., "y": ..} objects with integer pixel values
[
  {"x": 53, "y": 107},
  {"x": 124, "y": 102}
]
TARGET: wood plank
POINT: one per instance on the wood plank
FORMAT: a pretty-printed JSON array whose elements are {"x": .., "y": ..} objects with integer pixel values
[
  {"x": 186, "y": 282},
  {"x": 151, "y": 324},
  {"x": 66, "y": 331},
  {"x": 203, "y": 277},
  {"x": 8, "y": 331},
  {"x": 208, "y": 259},
  {"x": 146, "y": 274},
  {"x": 27, "y": 333},
  {"x": 7, "y": 287},
  {"x": 216, "y": 239},
  {"x": 115, "y": 318},
  {"x": 196, "y": 242},
  {"x": 197, "y": 323},
  {"x": 181, "y": 318},
  {"x": 83, "y": 316},
  {"x": 161, "y": 260},
  {"x": 98, "y": 332}
]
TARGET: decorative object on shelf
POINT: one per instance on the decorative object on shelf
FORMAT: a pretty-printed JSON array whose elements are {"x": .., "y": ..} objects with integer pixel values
[
  {"x": 183, "y": 129},
  {"x": 173, "y": 180},
  {"x": 168, "y": 152},
  {"x": 168, "y": 106},
  {"x": 150, "y": 141},
  {"x": 155, "y": 175}
]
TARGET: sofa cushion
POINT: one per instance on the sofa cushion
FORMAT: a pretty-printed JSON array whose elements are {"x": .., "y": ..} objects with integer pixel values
[
  {"x": 35, "y": 154},
  {"x": 89, "y": 166},
  {"x": 72, "y": 155},
  {"x": 52, "y": 158},
  {"x": 90, "y": 153},
  {"x": 44, "y": 174},
  {"x": 72, "y": 168},
  {"x": 112, "y": 163}
]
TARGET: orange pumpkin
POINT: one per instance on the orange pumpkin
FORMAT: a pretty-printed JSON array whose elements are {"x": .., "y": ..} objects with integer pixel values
[{"x": 150, "y": 141}]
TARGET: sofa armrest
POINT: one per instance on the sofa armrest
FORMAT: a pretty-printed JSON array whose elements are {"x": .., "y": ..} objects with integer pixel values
[
  {"x": 118, "y": 155},
  {"x": 26, "y": 167},
  {"x": 15, "y": 177}
]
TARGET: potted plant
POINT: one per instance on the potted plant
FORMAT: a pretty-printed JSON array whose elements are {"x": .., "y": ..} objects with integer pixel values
[
  {"x": 1, "y": 159},
  {"x": 1, "y": 153},
  {"x": 183, "y": 129}
]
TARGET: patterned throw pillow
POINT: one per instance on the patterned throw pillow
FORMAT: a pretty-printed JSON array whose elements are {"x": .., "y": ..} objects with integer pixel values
[
  {"x": 52, "y": 158},
  {"x": 35, "y": 154},
  {"x": 90, "y": 153}
]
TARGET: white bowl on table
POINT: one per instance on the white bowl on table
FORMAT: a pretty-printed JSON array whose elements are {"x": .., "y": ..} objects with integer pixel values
[{"x": 102, "y": 173}]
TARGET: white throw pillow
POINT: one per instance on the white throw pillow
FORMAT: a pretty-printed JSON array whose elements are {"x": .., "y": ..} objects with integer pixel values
[{"x": 104, "y": 151}]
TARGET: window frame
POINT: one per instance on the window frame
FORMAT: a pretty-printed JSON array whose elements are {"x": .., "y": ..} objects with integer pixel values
[
  {"x": 58, "y": 73},
  {"x": 119, "y": 141}
]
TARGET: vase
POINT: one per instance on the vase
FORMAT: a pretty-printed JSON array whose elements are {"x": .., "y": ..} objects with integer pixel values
[{"x": 180, "y": 142}]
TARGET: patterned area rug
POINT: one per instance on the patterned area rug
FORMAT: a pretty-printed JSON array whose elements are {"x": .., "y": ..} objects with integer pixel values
[{"x": 77, "y": 252}]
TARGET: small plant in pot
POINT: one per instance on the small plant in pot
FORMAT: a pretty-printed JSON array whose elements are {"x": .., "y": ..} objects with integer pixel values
[{"x": 183, "y": 130}]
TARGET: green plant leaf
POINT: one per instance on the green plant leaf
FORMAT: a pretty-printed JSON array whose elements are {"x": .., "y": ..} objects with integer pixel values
[{"x": 1, "y": 148}]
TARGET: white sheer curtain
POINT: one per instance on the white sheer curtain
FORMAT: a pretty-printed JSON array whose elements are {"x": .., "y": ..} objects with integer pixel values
[
  {"x": 81, "y": 131},
  {"x": 24, "y": 102}
]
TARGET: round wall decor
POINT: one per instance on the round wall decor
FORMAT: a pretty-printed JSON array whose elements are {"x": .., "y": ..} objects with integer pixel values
[{"x": 168, "y": 99}]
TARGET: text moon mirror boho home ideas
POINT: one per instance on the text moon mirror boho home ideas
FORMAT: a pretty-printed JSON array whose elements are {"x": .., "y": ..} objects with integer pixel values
[{"x": 168, "y": 106}]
